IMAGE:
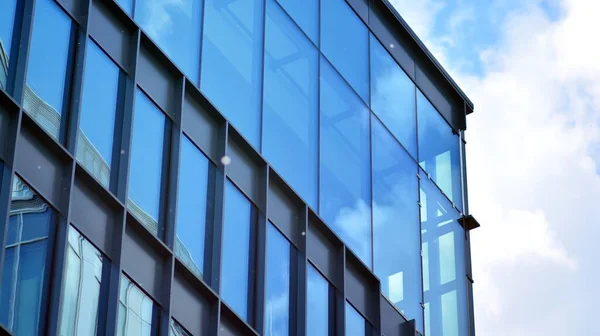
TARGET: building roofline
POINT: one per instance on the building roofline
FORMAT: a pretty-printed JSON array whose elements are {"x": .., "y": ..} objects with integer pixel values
[{"x": 428, "y": 55}]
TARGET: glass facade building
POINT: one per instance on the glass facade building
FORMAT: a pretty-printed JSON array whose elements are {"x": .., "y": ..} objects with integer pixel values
[{"x": 239, "y": 167}]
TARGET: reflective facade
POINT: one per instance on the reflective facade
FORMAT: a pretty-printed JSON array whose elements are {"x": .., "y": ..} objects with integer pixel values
[{"x": 244, "y": 167}]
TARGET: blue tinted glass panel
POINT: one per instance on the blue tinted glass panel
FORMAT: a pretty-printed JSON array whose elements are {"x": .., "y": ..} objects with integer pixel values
[
  {"x": 396, "y": 227},
  {"x": 290, "y": 109},
  {"x": 191, "y": 206},
  {"x": 81, "y": 286},
  {"x": 7, "y": 21},
  {"x": 317, "y": 303},
  {"x": 175, "y": 27},
  {"x": 345, "y": 193},
  {"x": 98, "y": 109},
  {"x": 135, "y": 310},
  {"x": 146, "y": 161},
  {"x": 236, "y": 250},
  {"x": 13, "y": 230},
  {"x": 24, "y": 269},
  {"x": 345, "y": 43},
  {"x": 232, "y": 55},
  {"x": 393, "y": 97},
  {"x": 277, "y": 284},
  {"x": 444, "y": 277},
  {"x": 355, "y": 323},
  {"x": 127, "y": 5},
  {"x": 439, "y": 150},
  {"x": 306, "y": 14},
  {"x": 47, "y": 71}
]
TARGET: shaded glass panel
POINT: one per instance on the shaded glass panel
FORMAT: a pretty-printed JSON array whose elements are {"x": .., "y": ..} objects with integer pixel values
[
  {"x": 231, "y": 70},
  {"x": 7, "y": 22},
  {"x": 191, "y": 206},
  {"x": 306, "y": 15},
  {"x": 44, "y": 95},
  {"x": 175, "y": 27},
  {"x": 317, "y": 303},
  {"x": 135, "y": 310},
  {"x": 345, "y": 192},
  {"x": 235, "y": 268},
  {"x": 439, "y": 150},
  {"x": 396, "y": 227},
  {"x": 393, "y": 97},
  {"x": 444, "y": 273},
  {"x": 81, "y": 287},
  {"x": 146, "y": 162},
  {"x": 277, "y": 284},
  {"x": 345, "y": 43},
  {"x": 24, "y": 270},
  {"x": 98, "y": 109},
  {"x": 355, "y": 323},
  {"x": 290, "y": 109}
]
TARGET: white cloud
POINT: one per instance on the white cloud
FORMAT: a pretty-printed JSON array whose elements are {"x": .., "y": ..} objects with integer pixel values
[{"x": 533, "y": 181}]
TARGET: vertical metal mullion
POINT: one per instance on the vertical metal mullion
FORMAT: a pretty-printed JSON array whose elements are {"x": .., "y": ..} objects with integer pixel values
[
  {"x": 263, "y": 24},
  {"x": 260, "y": 252},
  {"x": 18, "y": 65},
  {"x": 340, "y": 309},
  {"x": 110, "y": 327},
  {"x": 468, "y": 263},
  {"x": 302, "y": 279},
  {"x": 171, "y": 205}
]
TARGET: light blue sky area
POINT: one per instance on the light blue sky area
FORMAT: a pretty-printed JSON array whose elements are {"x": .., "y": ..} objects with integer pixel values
[{"x": 532, "y": 69}]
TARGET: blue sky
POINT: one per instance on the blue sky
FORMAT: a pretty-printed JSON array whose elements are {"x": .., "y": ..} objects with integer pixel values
[{"x": 532, "y": 68}]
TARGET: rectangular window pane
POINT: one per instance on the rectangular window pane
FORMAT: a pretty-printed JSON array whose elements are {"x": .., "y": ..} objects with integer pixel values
[
  {"x": 135, "y": 310},
  {"x": 355, "y": 323},
  {"x": 277, "y": 284},
  {"x": 345, "y": 43},
  {"x": 7, "y": 21},
  {"x": 345, "y": 179},
  {"x": 231, "y": 74},
  {"x": 235, "y": 270},
  {"x": 317, "y": 303},
  {"x": 23, "y": 277},
  {"x": 98, "y": 109},
  {"x": 47, "y": 71},
  {"x": 290, "y": 109},
  {"x": 444, "y": 275},
  {"x": 393, "y": 97},
  {"x": 146, "y": 162},
  {"x": 192, "y": 206},
  {"x": 396, "y": 223},
  {"x": 81, "y": 287},
  {"x": 439, "y": 150},
  {"x": 306, "y": 15},
  {"x": 175, "y": 27}
]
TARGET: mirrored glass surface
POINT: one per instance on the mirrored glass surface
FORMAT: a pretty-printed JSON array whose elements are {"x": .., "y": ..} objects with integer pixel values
[
  {"x": 127, "y": 5},
  {"x": 177, "y": 330},
  {"x": 439, "y": 150},
  {"x": 393, "y": 97},
  {"x": 345, "y": 43},
  {"x": 235, "y": 268},
  {"x": 192, "y": 195},
  {"x": 444, "y": 273},
  {"x": 7, "y": 22},
  {"x": 345, "y": 192},
  {"x": 135, "y": 310},
  {"x": 277, "y": 284},
  {"x": 24, "y": 269},
  {"x": 232, "y": 56},
  {"x": 145, "y": 167},
  {"x": 97, "y": 116},
  {"x": 306, "y": 15},
  {"x": 396, "y": 227},
  {"x": 290, "y": 103},
  {"x": 44, "y": 92},
  {"x": 317, "y": 303},
  {"x": 80, "y": 287},
  {"x": 175, "y": 28},
  {"x": 355, "y": 323}
]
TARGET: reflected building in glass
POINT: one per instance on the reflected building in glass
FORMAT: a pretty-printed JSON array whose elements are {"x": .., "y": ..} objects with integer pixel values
[{"x": 242, "y": 167}]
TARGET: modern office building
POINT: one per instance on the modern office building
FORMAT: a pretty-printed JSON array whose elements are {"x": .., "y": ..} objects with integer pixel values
[{"x": 229, "y": 167}]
